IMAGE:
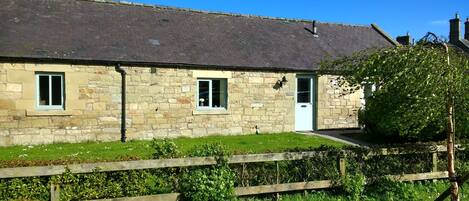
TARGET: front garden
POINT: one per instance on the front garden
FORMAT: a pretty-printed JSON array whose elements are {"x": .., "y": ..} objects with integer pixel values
[
  {"x": 141, "y": 149},
  {"x": 220, "y": 180}
]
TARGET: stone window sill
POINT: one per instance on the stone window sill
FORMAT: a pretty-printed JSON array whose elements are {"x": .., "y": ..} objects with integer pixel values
[
  {"x": 210, "y": 112},
  {"x": 33, "y": 113}
]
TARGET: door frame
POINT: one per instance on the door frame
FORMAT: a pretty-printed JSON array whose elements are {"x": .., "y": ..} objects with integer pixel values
[{"x": 314, "y": 94}]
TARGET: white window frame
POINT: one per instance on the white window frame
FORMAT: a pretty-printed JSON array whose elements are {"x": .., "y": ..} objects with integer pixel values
[
  {"x": 209, "y": 107},
  {"x": 38, "y": 98},
  {"x": 368, "y": 90}
]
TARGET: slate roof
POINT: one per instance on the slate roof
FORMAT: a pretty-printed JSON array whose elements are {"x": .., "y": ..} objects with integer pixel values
[
  {"x": 83, "y": 30},
  {"x": 464, "y": 45}
]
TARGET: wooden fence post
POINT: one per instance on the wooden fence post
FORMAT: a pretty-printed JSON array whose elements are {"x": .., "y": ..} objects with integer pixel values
[
  {"x": 434, "y": 162},
  {"x": 342, "y": 164},
  {"x": 278, "y": 179},
  {"x": 54, "y": 192}
]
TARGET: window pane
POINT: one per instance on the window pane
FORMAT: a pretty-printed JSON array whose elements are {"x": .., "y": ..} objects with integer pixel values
[
  {"x": 219, "y": 93},
  {"x": 367, "y": 91},
  {"x": 56, "y": 90},
  {"x": 204, "y": 93},
  {"x": 43, "y": 90},
  {"x": 304, "y": 90}
]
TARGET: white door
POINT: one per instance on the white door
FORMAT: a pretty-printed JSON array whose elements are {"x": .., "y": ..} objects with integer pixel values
[{"x": 304, "y": 103}]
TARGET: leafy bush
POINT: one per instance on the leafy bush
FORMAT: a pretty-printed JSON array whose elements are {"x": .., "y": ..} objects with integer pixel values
[
  {"x": 99, "y": 185},
  {"x": 35, "y": 188},
  {"x": 353, "y": 186},
  {"x": 211, "y": 183},
  {"x": 164, "y": 149},
  {"x": 413, "y": 87},
  {"x": 392, "y": 190}
]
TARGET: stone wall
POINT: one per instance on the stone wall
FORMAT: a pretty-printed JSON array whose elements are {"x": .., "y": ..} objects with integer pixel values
[
  {"x": 336, "y": 110},
  {"x": 163, "y": 104},
  {"x": 160, "y": 104}
]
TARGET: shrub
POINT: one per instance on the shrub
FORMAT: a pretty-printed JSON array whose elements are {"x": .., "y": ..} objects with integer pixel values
[
  {"x": 211, "y": 183},
  {"x": 164, "y": 149},
  {"x": 353, "y": 186},
  {"x": 388, "y": 189},
  {"x": 35, "y": 188},
  {"x": 99, "y": 185}
]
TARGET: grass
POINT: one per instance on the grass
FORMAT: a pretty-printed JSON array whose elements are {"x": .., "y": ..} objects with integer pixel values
[
  {"x": 139, "y": 149},
  {"x": 417, "y": 191}
]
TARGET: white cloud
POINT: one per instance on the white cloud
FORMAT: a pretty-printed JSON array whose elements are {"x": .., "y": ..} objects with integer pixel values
[{"x": 439, "y": 22}]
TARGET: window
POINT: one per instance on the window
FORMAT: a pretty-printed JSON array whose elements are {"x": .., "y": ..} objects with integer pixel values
[
  {"x": 368, "y": 90},
  {"x": 304, "y": 90},
  {"x": 49, "y": 91},
  {"x": 211, "y": 93}
]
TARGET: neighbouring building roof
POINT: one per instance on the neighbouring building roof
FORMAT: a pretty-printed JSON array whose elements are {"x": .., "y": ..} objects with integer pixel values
[
  {"x": 463, "y": 44},
  {"x": 118, "y": 32}
]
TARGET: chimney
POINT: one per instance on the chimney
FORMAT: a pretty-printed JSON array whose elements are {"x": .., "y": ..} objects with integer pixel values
[
  {"x": 315, "y": 28},
  {"x": 454, "y": 30},
  {"x": 404, "y": 40},
  {"x": 466, "y": 31}
]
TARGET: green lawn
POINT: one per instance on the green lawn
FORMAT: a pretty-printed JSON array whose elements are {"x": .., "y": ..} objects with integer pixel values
[{"x": 111, "y": 151}]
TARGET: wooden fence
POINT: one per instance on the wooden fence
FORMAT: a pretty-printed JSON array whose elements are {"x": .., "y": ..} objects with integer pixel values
[{"x": 203, "y": 161}]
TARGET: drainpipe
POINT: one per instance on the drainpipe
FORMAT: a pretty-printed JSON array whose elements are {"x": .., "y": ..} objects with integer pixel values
[{"x": 122, "y": 72}]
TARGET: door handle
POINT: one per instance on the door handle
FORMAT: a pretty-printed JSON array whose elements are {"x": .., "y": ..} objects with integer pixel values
[{"x": 303, "y": 106}]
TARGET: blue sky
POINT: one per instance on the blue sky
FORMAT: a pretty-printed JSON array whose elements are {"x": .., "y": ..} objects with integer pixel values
[{"x": 396, "y": 17}]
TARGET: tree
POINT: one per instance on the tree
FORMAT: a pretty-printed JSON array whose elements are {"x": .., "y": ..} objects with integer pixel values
[{"x": 418, "y": 90}]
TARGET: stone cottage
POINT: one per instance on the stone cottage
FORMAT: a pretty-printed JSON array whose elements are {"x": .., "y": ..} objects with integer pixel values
[{"x": 81, "y": 70}]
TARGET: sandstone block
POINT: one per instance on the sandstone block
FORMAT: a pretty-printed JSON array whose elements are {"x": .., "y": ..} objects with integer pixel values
[
  {"x": 19, "y": 76},
  {"x": 4, "y": 141},
  {"x": 11, "y": 87},
  {"x": 7, "y": 104},
  {"x": 199, "y": 131}
]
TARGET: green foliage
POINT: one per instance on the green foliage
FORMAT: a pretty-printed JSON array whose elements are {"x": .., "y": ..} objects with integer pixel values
[
  {"x": 321, "y": 166},
  {"x": 87, "y": 186},
  {"x": 99, "y": 185},
  {"x": 414, "y": 85},
  {"x": 353, "y": 185},
  {"x": 211, "y": 183},
  {"x": 217, "y": 150},
  {"x": 164, "y": 149},
  {"x": 35, "y": 188},
  {"x": 216, "y": 182},
  {"x": 388, "y": 191}
]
